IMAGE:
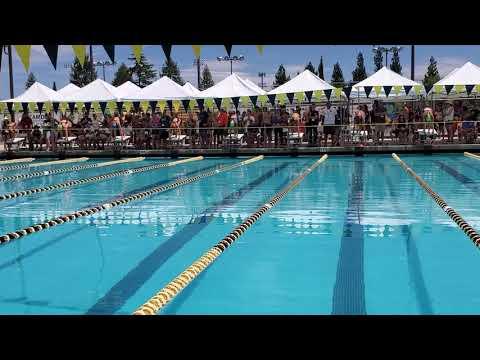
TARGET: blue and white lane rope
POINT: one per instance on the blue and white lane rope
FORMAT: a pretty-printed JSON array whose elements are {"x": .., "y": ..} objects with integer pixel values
[
  {"x": 103, "y": 177},
  {"x": 45, "y": 163},
  {"x": 462, "y": 224},
  {"x": 122, "y": 201},
  {"x": 35, "y": 174},
  {"x": 14, "y": 161},
  {"x": 172, "y": 289}
]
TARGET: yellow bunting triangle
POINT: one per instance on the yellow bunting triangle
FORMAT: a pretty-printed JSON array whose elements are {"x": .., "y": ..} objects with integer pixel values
[
  {"x": 477, "y": 88},
  {"x": 226, "y": 103},
  {"x": 161, "y": 105},
  {"x": 299, "y": 96},
  {"x": 281, "y": 99},
  {"x": 459, "y": 88},
  {"x": 96, "y": 107},
  {"x": 262, "y": 99},
  {"x": 2, "y": 107},
  {"x": 176, "y": 105},
  {"x": 418, "y": 89},
  {"x": 79, "y": 106},
  {"x": 378, "y": 90},
  {"x": 128, "y": 106},
  {"x": 48, "y": 107},
  {"x": 437, "y": 89},
  {"x": 17, "y": 107},
  {"x": 245, "y": 101},
  {"x": 260, "y": 49},
  {"x": 112, "y": 107},
  {"x": 397, "y": 89},
  {"x": 192, "y": 104},
  {"x": 63, "y": 107},
  {"x": 137, "y": 51},
  {"x": 208, "y": 103},
  {"x": 23, "y": 52},
  {"x": 338, "y": 92},
  {"x": 197, "y": 49},
  {"x": 32, "y": 107},
  {"x": 144, "y": 105},
  {"x": 317, "y": 94},
  {"x": 80, "y": 53}
]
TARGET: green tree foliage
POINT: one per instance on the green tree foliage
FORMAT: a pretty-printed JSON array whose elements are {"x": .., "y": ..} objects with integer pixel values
[
  {"x": 311, "y": 68},
  {"x": 206, "y": 80},
  {"x": 142, "y": 72},
  {"x": 378, "y": 60},
  {"x": 280, "y": 77},
  {"x": 395, "y": 64},
  {"x": 30, "y": 80},
  {"x": 432, "y": 75},
  {"x": 337, "y": 76},
  {"x": 82, "y": 75},
  {"x": 170, "y": 69},
  {"x": 359, "y": 73},
  {"x": 122, "y": 75}
]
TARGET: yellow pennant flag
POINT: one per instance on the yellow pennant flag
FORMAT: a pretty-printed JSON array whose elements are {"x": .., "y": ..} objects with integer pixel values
[
  {"x": 338, "y": 92},
  {"x": 63, "y": 107},
  {"x": 459, "y": 88},
  {"x": 245, "y": 101},
  {"x": 23, "y": 52},
  {"x": 437, "y": 89},
  {"x": 299, "y": 96},
  {"x": 79, "y": 106},
  {"x": 477, "y": 88},
  {"x": 208, "y": 103},
  {"x": 281, "y": 98},
  {"x": 262, "y": 99},
  {"x": 2, "y": 107},
  {"x": 32, "y": 107},
  {"x": 161, "y": 105},
  {"x": 226, "y": 103},
  {"x": 397, "y": 89},
  {"x": 176, "y": 105},
  {"x": 317, "y": 94},
  {"x": 192, "y": 104},
  {"x": 144, "y": 105},
  {"x": 418, "y": 89},
  {"x": 128, "y": 106},
  {"x": 96, "y": 107},
  {"x": 260, "y": 49},
  {"x": 197, "y": 49},
  {"x": 48, "y": 107},
  {"x": 378, "y": 90},
  {"x": 80, "y": 53},
  {"x": 17, "y": 107},
  {"x": 137, "y": 51},
  {"x": 112, "y": 106}
]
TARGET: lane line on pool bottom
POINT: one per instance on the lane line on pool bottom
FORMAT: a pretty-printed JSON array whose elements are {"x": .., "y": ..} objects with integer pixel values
[
  {"x": 414, "y": 263},
  {"x": 465, "y": 180},
  {"x": 125, "y": 288},
  {"x": 462, "y": 224},
  {"x": 14, "y": 161},
  {"x": 97, "y": 178},
  {"x": 138, "y": 196},
  {"x": 172, "y": 289},
  {"x": 349, "y": 289},
  {"x": 32, "y": 175},
  {"x": 45, "y": 163}
]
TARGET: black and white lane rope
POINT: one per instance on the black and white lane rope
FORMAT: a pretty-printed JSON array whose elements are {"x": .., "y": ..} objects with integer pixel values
[
  {"x": 122, "y": 201},
  {"x": 172, "y": 289},
  {"x": 14, "y": 161},
  {"x": 462, "y": 224},
  {"x": 103, "y": 177},
  {"x": 470, "y": 155},
  {"x": 45, "y": 163},
  {"x": 35, "y": 174}
]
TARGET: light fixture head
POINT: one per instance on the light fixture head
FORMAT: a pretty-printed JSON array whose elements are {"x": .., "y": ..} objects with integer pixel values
[{"x": 241, "y": 58}]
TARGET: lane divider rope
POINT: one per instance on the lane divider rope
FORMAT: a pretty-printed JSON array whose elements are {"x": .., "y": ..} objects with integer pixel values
[
  {"x": 462, "y": 224},
  {"x": 470, "y": 155},
  {"x": 172, "y": 289},
  {"x": 122, "y": 201},
  {"x": 32, "y": 175},
  {"x": 13, "y": 161},
  {"x": 45, "y": 163},
  {"x": 103, "y": 177}
]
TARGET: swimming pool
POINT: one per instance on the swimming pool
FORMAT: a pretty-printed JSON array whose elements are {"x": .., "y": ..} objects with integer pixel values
[{"x": 357, "y": 236}]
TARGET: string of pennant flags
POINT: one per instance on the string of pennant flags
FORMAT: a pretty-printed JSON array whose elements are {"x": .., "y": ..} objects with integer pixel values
[{"x": 244, "y": 101}]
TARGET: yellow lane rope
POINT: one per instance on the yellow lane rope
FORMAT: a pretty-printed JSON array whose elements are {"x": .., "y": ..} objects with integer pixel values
[
  {"x": 122, "y": 201},
  {"x": 45, "y": 163},
  {"x": 473, "y": 156},
  {"x": 35, "y": 174},
  {"x": 103, "y": 177},
  {"x": 172, "y": 289},
  {"x": 466, "y": 228},
  {"x": 13, "y": 161}
]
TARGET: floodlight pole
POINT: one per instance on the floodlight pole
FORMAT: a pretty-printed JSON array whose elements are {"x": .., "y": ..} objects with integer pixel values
[
  {"x": 10, "y": 70},
  {"x": 412, "y": 63}
]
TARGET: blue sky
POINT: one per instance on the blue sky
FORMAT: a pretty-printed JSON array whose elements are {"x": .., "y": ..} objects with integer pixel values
[{"x": 293, "y": 57}]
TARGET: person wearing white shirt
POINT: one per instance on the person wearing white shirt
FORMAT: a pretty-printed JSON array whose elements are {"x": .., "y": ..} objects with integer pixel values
[{"x": 329, "y": 115}]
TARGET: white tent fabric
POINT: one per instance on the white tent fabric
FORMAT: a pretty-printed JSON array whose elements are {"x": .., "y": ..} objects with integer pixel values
[
  {"x": 192, "y": 90},
  {"x": 128, "y": 89},
  {"x": 162, "y": 89},
  {"x": 68, "y": 89},
  {"x": 231, "y": 86},
  {"x": 468, "y": 74},
  {"x": 384, "y": 77},
  {"x": 305, "y": 81},
  {"x": 97, "y": 90},
  {"x": 37, "y": 93},
  {"x": 255, "y": 86}
]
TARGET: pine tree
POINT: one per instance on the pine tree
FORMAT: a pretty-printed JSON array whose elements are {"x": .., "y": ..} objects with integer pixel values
[
  {"x": 432, "y": 75},
  {"x": 207, "y": 80},
  {"x": 320, "y": 69},
  {"x": 311, "y": 68},
  {"x": 395, "y": 65},
  {"x": 378, "y": 60},
  {"x": 359, "y": 73},
  {"x": 170, "y": 69},
  {"x": 30, "y": 80},
  {"x": 122, "y": 75},
  {"x": 142, "y": 72},
  {"x": 280, "y": 77},
  {"x": 337, "y": 76},
  {"x": 82, "y": 75}
]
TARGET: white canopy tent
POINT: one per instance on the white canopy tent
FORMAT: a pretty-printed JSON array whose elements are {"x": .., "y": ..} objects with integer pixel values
[
  {"x": 97, "y": 90},
  {"x": 305, "y": 81},
  {"x": 385, "y": 77},
  {"x": 230, "y": 87},
  {"x": 162, "y": 89},
  {"x": 191, "y": 89},
  {"x": 466, "y": 75},
  {"x": 37, "y": 93},
  {"x": 128, "y": 89},
  {"x": 68, "y": 89},
  {"x": 255, "y": 86}
]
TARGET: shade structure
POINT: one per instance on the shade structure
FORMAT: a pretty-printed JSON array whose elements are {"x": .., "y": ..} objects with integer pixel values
[
  {"x": 68, "y": 89},
  {"x": 231, "y": 87},
  {"x": 191, "y": 89},
  {"x": 128, "y": 89},
  {"x": 381, "y": 79},
  {"x": 255, "y": 86},
  {"x": 37, "y": 93},
  {"x": 457, "y": 80},
  {"x": 162, "y": 89},
  {"x": 97, "y": 90},
  {"x": 305, "y": 81}
]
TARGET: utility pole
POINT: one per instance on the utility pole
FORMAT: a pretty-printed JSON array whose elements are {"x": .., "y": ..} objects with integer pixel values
[
  {"x": 261, "y": 75},
  {"x": 412, "y": 63},
  {"x": 198, "y": 64},
  {"x": 91, "y": 55},
  {"x": 10, "y": 70}
]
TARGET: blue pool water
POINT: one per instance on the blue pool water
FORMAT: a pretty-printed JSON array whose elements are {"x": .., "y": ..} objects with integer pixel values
[{"x": 356, "y": 236}]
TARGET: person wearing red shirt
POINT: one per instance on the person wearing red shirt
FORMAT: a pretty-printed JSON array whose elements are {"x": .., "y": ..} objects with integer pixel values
[{"x": 222, "y": 121}]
